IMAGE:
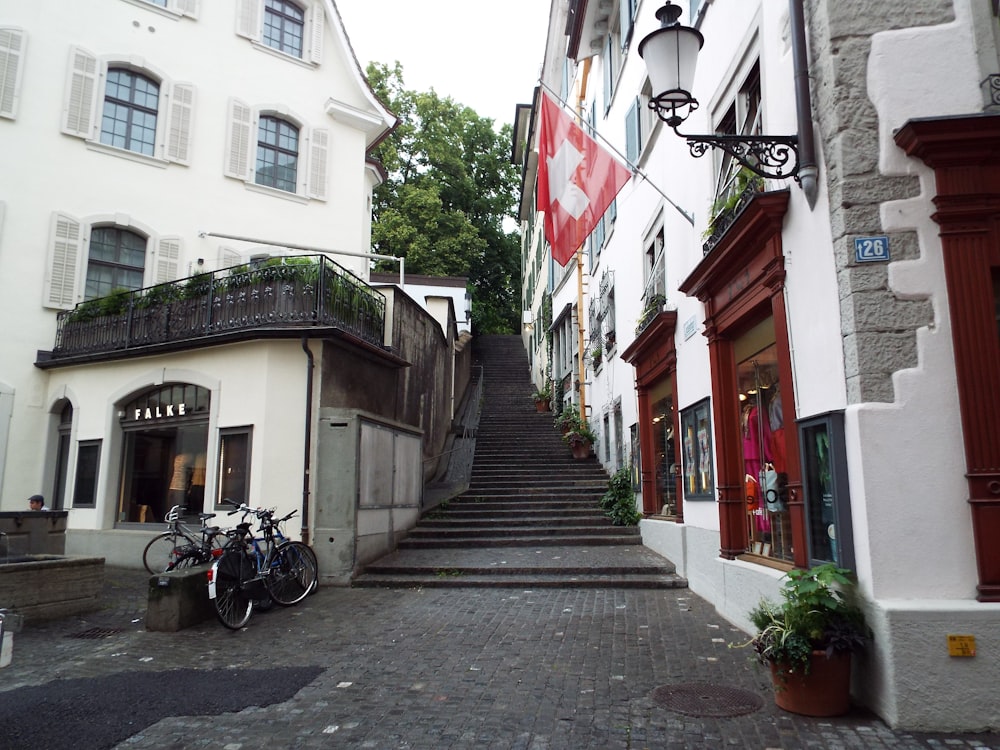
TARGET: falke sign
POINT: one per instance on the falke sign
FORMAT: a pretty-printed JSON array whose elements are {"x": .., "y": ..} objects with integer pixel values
[{"x": 165, "y": 411}]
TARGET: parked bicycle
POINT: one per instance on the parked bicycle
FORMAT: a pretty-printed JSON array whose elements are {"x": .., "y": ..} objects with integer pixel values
[
  {"x": 180, "y": 546},
  {"x": 252, "y": 568}
]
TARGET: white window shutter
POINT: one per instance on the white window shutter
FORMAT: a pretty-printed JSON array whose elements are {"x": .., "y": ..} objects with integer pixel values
[
  {"x": 12, "y": 43},
  {"x": 248, "y": 18},
  {"x": 319, "y": 154},
  {"x": 238, "y": 139},
  {"x": 228, "y": 257},
  {"x": 188, "y": 8},
  {"x": 317, "y": 21},
  {"x": 81, "y": 93},
  {"x": 179, "y": 116},
  {"x": 65, "y": 251},
  {"x": 168, "y": 254}
]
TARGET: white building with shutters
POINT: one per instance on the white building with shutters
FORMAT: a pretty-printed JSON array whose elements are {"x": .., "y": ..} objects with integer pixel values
[{"x": 146, "y": 141}]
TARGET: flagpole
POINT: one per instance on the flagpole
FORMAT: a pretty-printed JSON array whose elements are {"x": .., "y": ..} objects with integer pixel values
[
  {"x": 631, "y": 165},
  {"x": 580, "y": 332}
]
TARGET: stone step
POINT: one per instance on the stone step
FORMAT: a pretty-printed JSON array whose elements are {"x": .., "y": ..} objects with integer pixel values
[
  {"x": 526, "y": 582},
  {"x": 526, "y": 540}
]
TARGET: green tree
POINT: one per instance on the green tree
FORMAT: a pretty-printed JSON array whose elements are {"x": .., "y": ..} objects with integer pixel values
[{"x": 451, "y": 184}]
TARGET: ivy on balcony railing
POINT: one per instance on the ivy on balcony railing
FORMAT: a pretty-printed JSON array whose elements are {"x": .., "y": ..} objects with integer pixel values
[{"x": 293, "y": 291}]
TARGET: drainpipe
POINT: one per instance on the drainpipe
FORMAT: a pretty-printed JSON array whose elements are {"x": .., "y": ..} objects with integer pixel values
[
  {"x": 306, "y": 460},
  {"x": 808, "y": 169}
]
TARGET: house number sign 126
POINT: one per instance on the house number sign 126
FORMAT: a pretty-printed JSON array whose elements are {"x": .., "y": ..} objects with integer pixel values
[{"x": 871, "y": 249}]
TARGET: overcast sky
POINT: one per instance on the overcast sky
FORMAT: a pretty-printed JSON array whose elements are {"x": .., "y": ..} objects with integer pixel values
[{"x": 482, "y": 53}]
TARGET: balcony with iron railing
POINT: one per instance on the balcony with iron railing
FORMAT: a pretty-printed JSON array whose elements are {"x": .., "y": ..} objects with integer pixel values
[{"x": 293, "y": 292}]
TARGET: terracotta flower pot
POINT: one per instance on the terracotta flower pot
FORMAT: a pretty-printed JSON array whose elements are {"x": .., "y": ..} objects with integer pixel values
[
  {"x": 824, "y": 691},
  {"x": 542, "y": 406},
  {"x": 580, "y": 450}
]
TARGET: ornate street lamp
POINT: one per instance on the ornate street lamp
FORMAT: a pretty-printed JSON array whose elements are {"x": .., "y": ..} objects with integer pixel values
[{"x": 671, "y": 54}]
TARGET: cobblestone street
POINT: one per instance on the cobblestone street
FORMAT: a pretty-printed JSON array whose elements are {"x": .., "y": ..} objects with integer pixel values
[{"x": 426, "y": 668}]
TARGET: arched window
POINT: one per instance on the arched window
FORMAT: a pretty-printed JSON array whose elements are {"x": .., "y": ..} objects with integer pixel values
[
  {"x": 284, "y": 23},
  {"x": 131, "y": 102},
  {"x": 116, "y": 260},
  {"x": 277, "y": 153}
]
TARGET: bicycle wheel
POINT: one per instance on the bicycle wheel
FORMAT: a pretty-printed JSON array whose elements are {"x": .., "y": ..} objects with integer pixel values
[
  {"x": 159, "y": 554},
  {"x": 233, "y": 606},
  {"x": 305, "y": 549},
  {"x": 292, "y": 573}
]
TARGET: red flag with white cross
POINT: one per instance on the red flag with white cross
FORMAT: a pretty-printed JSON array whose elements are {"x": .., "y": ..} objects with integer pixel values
[{"x": 577, "y": 180}]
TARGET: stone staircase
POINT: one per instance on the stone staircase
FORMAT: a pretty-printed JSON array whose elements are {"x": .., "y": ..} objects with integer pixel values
[{"x": 530, "y": 516}]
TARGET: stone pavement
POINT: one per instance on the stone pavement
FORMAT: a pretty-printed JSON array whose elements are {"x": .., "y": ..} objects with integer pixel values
[{"x": 454, "y": 668}]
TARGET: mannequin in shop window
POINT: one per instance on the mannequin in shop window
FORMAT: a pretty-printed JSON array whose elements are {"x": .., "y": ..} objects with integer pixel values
[
  {"x": 756, "y": 434},
  {"x": 180, "y": 480}
]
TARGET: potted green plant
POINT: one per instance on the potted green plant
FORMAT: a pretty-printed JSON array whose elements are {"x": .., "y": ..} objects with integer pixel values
[
  {"x": 807, "y": 640},
  {"x": 542, "y": 398},
  {"x": 579, "y": 439},
  {"x": 618, "y": 503},
  {"x": 597, "y": 354},
  {"x": 566, "y": 420}
]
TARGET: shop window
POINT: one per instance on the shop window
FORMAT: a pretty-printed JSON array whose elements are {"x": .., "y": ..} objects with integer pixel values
[
  {"x": 762, "y": 434},
  {"x": 234, "y": 464},
  {"x": 166, "y": 439},
  {"x": 62, "y": 455},
  {"x": 664, "y": 451},
  {"x": 827, "y": 495},
  {"x": 616, "y": 417},
  {"x": 696, "y": 431},
  {"x": 88, "y": 458}
]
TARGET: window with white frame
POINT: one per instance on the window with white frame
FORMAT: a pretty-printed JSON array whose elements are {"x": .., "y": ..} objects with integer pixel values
[
  {"x": 639, "y": 123},
  {"x": 285, "y": 26},
  {"x": 142, "y": 111},
  {"x": 174, "y": 8},
  {"x": 12, "y": 45},
  {"x": 90, "y": 257},
  {"x": 282, "y": 153},
  {"x": 742, "y": 116},
  {"x": 654, "y": 263}
]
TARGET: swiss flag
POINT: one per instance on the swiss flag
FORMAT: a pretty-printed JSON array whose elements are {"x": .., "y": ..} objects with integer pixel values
[{"x": 577, "y": 180}]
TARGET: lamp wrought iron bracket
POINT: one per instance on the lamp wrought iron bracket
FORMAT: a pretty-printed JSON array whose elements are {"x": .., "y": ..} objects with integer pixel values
[{"x": 771, "y": 156}]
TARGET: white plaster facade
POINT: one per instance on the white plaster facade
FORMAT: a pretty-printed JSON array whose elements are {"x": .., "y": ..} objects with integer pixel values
[
  {"x": 913, "y": 534},
  {"x": 58, "y": 182}
]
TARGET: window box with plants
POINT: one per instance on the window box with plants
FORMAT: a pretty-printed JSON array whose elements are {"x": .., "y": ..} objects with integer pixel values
[
  {"x": 596, "y": 356},
  {"x": 579, "y": 439},
  {"x": 807, "y": 640},
  {"x": 653, "y": 307}
]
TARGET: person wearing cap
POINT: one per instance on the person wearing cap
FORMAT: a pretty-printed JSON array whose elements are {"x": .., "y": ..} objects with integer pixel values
[{"x": 36, "y": 502}]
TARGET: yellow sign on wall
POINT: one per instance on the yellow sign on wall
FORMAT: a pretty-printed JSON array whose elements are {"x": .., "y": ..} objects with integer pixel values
[{"x": 961, "y": 645}]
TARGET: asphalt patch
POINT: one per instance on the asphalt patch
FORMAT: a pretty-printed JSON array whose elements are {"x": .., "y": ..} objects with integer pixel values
[{"x": 94, "y": 713}]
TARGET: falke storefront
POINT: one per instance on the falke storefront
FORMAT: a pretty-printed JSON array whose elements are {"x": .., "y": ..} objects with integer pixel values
[{"x": 131, "y": 439}]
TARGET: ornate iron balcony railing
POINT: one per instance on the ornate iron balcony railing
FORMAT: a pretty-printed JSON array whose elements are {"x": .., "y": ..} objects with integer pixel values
[{"x": 286, "y": 292}]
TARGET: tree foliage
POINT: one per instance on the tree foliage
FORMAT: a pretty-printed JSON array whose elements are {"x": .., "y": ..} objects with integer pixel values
[{"x": 451, "y": 184}]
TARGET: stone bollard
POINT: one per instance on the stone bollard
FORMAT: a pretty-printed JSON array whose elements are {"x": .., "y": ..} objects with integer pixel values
[{"x": 10, "y": 623}]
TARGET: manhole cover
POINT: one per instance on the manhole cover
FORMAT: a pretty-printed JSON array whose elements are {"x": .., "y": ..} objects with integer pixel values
[
  {"x": 706, "y": 699},
  {"x": 96, "y": 633}
]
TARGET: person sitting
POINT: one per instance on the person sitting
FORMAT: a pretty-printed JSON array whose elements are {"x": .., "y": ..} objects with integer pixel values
[{"x": 36, "y": 502}]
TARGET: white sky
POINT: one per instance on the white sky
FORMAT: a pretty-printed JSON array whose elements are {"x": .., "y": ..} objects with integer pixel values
[{"x": 485, "y": 54}]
